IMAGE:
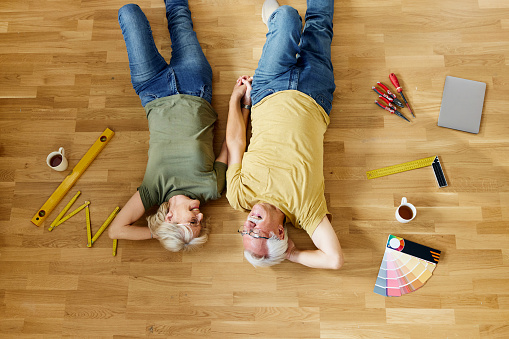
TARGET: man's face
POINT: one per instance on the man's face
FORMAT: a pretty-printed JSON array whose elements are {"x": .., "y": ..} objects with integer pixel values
[
  {"x": 184, "y": 210},
  {"x": 264, "y": 220}
]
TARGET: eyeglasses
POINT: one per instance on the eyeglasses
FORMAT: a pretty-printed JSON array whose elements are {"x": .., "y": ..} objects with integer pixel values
[{"x": 254, "y": 232}]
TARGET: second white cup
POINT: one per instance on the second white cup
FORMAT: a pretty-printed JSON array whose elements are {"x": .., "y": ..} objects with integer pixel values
[
  {"x": 405, "y": 211},
  {"x": 57, "y": 160}
]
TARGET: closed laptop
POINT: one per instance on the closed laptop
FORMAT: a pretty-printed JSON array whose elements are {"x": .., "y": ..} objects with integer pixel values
[{"x": 462, "y": 104}]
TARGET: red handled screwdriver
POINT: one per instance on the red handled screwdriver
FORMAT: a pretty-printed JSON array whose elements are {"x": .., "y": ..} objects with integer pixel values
[
  {"x": 390, "y": 108},
  {"x": 395, "y": 82}
]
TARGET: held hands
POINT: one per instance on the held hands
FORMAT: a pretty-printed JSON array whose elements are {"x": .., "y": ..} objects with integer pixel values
[
  {"x": 242, "y": 90},
  {"x": 247, "y": 81},
  {"x": 238, "y": 119}
]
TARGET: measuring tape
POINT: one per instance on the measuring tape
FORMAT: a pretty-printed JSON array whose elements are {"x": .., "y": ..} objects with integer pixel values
[
  {"x": 115, "y": 244},
  {"x": 64, "y": 211},
  {"x": 106, "y": 224},
  {"x": 407, "y": 166},
  {"x": 89, "y": 227},
  {"x": 72, "y": 177},
  {"x": 72, "y": 214}
]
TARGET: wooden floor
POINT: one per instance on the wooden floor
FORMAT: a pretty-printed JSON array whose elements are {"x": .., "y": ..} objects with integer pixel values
[{"x": 64, "y": 78}]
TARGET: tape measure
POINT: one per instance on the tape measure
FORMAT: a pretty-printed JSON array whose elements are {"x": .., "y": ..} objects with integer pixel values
[
  {"x": 407, "y": 166},
  {"x": 72, "y": 177},
  {"x": 64, "y": 211},
  {"x": 106, "y": 224}
]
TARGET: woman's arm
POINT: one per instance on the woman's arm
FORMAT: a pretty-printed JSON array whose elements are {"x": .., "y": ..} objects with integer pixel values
[
  {"x": 223, "y": 155},
  {"x": 328, "y": 253},
  {"x": 122, "y": 228}
]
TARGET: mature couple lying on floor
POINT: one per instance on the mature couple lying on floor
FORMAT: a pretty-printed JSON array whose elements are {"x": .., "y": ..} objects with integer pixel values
[{"x": 280, "y": 177}]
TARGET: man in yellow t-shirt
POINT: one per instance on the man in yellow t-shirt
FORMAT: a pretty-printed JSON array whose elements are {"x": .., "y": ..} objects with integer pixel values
[{"x": 280, "y": 177}]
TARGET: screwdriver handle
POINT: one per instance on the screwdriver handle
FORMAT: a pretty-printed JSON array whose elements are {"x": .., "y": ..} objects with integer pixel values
[{"x": 395, "y": 82}]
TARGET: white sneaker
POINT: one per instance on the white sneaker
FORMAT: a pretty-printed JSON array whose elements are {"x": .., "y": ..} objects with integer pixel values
[{"x": 269, "y": 6}]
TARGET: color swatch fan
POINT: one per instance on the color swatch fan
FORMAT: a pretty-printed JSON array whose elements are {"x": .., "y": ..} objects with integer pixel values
[{"x": 406, "y": 267}]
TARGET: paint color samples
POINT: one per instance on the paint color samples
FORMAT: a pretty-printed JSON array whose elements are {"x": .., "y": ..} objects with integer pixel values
[{"x": 406, "y": 266}]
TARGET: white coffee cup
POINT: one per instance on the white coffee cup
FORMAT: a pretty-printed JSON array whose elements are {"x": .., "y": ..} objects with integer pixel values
[
  {"x": 406, "y": 211},
  {"x": 57, "y": 160}
]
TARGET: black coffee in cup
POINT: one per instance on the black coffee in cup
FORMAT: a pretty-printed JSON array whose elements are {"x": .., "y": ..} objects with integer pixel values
[
  {"x": 405, "y": 212},
  {"x": 56, "y": 160}
]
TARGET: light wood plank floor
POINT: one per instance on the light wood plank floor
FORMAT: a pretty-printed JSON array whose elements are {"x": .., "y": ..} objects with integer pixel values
[{"x": 64, "y": 78}]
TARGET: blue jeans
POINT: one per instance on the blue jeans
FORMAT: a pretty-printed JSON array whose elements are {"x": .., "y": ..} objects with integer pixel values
[
  {"x": 296, "y": 58},
  {"x": 188, "y": 72}
]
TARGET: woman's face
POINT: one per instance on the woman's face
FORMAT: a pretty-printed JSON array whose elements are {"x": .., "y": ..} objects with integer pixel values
[{"x": 184, "y": 210}]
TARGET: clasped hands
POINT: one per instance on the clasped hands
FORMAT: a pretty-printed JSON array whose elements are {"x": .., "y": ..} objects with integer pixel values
[{"x": 242, "y": 90}]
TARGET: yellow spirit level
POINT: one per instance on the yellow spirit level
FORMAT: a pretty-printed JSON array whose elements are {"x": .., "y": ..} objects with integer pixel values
[{"x": 72, "y": 177}]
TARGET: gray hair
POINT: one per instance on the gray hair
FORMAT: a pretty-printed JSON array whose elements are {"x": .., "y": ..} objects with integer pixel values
[
  {"x": 175, "y": 237},
  {"x": 276, "y": 252}
]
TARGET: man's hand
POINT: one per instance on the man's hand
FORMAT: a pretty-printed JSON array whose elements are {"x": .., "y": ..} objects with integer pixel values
[
  {"x": 290, "y": 251},
  {"x": 328, "y": 253}
]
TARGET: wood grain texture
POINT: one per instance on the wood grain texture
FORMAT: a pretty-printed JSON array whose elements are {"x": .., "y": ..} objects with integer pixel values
[{"x": 64, "y": 78}]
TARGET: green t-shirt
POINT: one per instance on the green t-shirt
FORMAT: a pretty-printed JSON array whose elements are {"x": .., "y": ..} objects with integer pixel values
[{"x": 181, "y": 158}]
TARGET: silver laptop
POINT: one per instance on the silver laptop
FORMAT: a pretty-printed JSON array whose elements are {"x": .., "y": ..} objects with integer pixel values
[{"x": 462, "y": 104}]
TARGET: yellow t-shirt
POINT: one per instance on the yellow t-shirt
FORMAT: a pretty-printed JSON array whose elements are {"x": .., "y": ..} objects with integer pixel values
[{"x": 284, "y": 162}]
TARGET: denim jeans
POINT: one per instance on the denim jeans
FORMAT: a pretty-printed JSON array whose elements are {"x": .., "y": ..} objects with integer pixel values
[
  {"x": 296, "y": 58},
  {"x": 188, "y": 72}
]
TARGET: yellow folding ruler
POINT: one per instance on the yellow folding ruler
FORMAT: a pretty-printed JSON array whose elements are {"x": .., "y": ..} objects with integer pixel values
[
  {"x": 407, "y": 166},
  {"x": 72, "y": 177}
]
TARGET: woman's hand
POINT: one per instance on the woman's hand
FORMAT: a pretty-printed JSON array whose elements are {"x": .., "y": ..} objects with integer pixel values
[
  {"x": 239, "y": 90},
  {"x": 246, "y": 80},
  {"x": 242, "y": 90}
]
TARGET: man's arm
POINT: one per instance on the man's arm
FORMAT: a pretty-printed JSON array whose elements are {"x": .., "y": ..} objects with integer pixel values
[
  {"x": 237, "y": 120},
  {"x": 328, "y": 253},
  {"x": 246, "y": 99},
  {"x": 122, "y": 228}
]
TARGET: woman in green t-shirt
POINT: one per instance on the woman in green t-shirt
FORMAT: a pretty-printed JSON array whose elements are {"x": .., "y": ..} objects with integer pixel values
[{"x": 182, "y": 171}]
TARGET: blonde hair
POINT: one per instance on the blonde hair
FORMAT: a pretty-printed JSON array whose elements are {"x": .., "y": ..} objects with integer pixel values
[
  {"x": 276, "y": 252},
  {"x": 175, "y": 237}
]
